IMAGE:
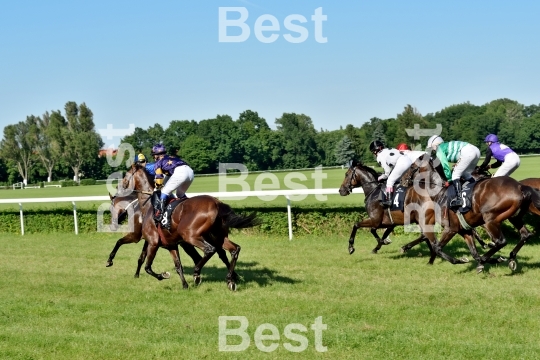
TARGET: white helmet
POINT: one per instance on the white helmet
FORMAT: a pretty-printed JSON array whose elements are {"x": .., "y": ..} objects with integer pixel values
[{"x": 434, "y": 141}]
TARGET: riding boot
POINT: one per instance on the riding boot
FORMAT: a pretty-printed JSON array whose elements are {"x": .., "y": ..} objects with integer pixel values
[
  {"x": 388, "y": 199},
  {"x": 158, "y": 210},
  {"x": 457, "y": 201}
]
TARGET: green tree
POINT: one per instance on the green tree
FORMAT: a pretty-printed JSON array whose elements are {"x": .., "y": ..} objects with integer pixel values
[
  {"x": 197, "y": 152},
  {"x": 177, "y": 132},
  {"x": 82, "y": 142},
  {"x": 343, "y": 151},
  {"x": 17, "y": 146},
  {"x": 298, "y": 133},
  {"x": 48, "y": 141}
]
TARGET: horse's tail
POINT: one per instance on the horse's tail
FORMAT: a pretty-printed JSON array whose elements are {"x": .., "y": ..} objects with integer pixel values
[
  {"x": 236, "y": 221},
  {"x": 533, "y": 196}
]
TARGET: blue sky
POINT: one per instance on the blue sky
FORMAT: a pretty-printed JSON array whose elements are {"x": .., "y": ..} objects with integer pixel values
[{"x": 148, "y": 62}]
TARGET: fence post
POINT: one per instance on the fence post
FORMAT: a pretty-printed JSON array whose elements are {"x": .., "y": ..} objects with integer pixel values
[
  {"x": 75, "y": 218},
  {"x": 22, "y": 218},
  {"x": 289, "y": 217}
]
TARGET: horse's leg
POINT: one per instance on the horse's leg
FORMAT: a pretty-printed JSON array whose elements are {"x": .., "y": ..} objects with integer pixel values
[
  {"x": 140, "y": 262},
  {"x": 223, "y": 256},
  {"x": 479, "y": 239},
  {"x": 446, "y": 236},
  {"x": 494, "y": 230},
  {"x": 173, "y": 250},
  {"x": 128, "y": 239},
  {"x": 208, "y": 250},
  {"x": 234, "y": 250},
  {"x": 150, "y": 255},
  {"x": 192, "y": 252},
  {"x": 413, "y": 243},
  {"x": 524, "y": 235},
  {"x": 361, "y": 224}
]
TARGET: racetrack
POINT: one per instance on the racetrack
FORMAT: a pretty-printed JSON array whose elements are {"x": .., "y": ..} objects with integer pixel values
[{"x": 59, "y": 301}]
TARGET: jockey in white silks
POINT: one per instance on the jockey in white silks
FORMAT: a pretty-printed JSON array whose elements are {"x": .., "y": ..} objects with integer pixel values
[
  {"x": 394, "y": 164},
  {"x": 465, "y": 156},
  {"x": 411, "y": 154}
]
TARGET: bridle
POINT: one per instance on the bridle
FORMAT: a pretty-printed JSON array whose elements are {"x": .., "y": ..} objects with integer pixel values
[
  {"x": 132, "y": 171},
  {"x": 350, "y": 186}
]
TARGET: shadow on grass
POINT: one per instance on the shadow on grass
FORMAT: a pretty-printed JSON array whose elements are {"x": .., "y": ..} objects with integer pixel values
[{"x": 249, "y": 272}]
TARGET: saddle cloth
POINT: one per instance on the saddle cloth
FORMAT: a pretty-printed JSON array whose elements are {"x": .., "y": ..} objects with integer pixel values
[{"x": 466, "y": 194}]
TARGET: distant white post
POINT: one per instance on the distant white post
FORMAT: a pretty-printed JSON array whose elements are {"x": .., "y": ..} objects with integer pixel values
[
  {"x": 289, "y": 217},
  {"x": 75, "y": 218},
  {"x": 22, "y": 219}
]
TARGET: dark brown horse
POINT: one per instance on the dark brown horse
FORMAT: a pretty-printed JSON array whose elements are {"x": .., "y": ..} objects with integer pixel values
[
  {"x": 494, "y": 200},
  {"x": 121, "y": 206},
  {"x": 201, "y": 221},
  {"x": 419, "y": 209}
]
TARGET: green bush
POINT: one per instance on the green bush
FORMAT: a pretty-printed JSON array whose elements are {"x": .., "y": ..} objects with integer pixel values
[
  {"x": 85, "y": 182},
  {"x": 41, "y": 185},
  {"x": 69, "y": 183}
]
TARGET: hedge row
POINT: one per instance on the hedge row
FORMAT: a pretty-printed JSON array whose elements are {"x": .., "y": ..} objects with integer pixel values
[{"x": 274, "y": 221}]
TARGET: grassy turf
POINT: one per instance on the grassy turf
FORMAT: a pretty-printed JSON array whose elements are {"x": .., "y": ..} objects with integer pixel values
[{"x": 59, "y": 301}]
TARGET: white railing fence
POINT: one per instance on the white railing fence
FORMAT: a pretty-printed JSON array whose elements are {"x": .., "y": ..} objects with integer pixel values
[{"x": 220, "y": 195}]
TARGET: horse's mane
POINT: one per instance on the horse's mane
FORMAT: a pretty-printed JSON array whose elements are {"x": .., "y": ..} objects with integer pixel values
[{"x": 368, "y": 169}]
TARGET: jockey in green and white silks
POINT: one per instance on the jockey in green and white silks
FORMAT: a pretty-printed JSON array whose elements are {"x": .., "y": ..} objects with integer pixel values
[{"x": 465, "y": 156}]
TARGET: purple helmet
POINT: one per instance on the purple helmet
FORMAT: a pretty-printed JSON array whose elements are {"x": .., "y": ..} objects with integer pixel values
[
  {"x": 158, "y": 149},
  {"x": 492, "y": 138}
]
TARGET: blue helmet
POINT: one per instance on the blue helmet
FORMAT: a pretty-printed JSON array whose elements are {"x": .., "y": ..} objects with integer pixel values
[
  {"x": 492, "y": 138},
  {"x": 158, "y": 149}
]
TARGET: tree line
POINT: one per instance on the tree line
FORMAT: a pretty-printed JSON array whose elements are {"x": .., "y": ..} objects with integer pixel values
[{"x": 67, "y": 144}]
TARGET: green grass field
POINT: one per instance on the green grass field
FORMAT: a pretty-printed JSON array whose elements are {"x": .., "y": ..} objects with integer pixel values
[
  {"x": 59, "y": 301},
  {"x": 334, "y": 177}
]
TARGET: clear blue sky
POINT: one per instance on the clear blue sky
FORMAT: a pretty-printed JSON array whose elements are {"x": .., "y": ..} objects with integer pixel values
[{"x": 147, "y": 62}]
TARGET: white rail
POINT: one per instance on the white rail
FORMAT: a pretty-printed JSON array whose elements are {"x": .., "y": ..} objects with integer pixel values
[{"x": 220, "y": 195}]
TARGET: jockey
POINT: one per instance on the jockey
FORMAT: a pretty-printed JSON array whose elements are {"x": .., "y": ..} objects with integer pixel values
[
  {"x": 411, "y": 154},
  {"x": 464, "y": 154},
  {"x": 503, "y": 154},
  {"x": 149, "y": 167},
  {"x": 394, "y": 164},
  {"x": 181, "y": 177}
]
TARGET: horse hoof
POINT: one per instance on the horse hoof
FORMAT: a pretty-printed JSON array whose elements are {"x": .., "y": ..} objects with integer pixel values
[
  {"x": 374, "y": 251},
  {"x": 351, "y": 250},
  {"x": 485, "y": 246},
  {"x": 491, "y": 244},
  {"x": 512, "y": 264},
  {"x": 231, "y": 285},
  {"x": 387, "y": 241},
  {"x": 502, "y": 259},
  {"x": 479, "y": 269},
  {"x": 402, "y": 250},
  {"x": 464, "y": 260},
  {"x": 185, "y": 286},
  {"x": 197, "y": 279},
  {"x": 109, "y": 264},
  {"x": 136, "y": 276},
  {"x": 166, "y": 275}
]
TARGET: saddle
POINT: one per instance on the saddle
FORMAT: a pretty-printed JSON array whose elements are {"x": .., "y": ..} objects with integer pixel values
[
  {"x": 467, "y": 191},
  {"x": 169, "y": 206},
  {"x": 398, "y": 198}
]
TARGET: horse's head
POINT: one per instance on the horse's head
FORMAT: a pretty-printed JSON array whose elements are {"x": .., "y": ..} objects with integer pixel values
[
  {"x": 480, "y": 173},
  {"x": 136, "y": 178},
  {"x": 423, "y": 170},
  {"x": 357, "y": 175},
  {"x": 118, "y": 208}
]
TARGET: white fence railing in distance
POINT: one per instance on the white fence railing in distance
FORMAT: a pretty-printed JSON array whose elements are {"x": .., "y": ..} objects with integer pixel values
[{"x": 220, "y": 195}]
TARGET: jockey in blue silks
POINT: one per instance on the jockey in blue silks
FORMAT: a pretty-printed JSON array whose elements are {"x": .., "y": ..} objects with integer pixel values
[
  {"x": 149, "y": 167},
  {"x": 180, "y": 178},
  {"x": 507, "y": 160}
]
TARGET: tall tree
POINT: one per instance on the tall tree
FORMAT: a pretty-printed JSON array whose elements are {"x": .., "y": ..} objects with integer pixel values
[
  {"x": 82, "y": 142},
  {"x": 344, "y": 151},
  {"x": 48, "y": 141},
  {"x": 17, "y": 146},
  {"x": 299, "y": 141},
  {"x": 197, "y": 152}
]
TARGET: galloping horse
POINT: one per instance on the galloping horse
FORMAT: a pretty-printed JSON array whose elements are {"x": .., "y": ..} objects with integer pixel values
[
  {"x": 202, "y": 221},
  {"x": 119, "y": 211},
  {"x": 359, "y": 175},
  {"x": 494, "y": 200}
]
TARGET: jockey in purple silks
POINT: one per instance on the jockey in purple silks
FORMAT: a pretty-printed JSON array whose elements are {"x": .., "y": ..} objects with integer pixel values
[
  {"x": 181, "y": 177},
  {"x": 507, "y": 159}
]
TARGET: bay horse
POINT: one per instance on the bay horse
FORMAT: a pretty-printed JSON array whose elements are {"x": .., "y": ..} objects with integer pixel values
[
  {"x": 202, "y": 221},
  {"x": 493, "y": 201},
  {"x": 119, "y": 211},
  {"x": 359, "y": 175}
]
